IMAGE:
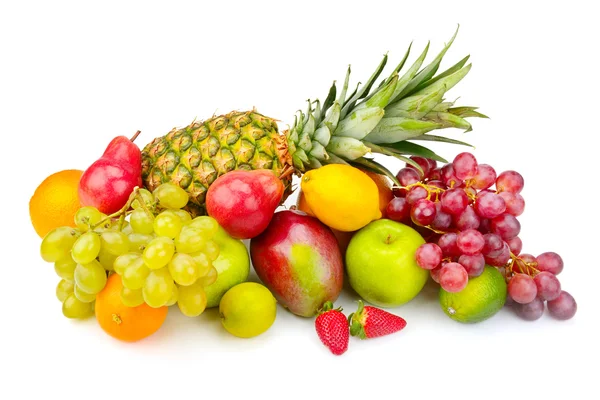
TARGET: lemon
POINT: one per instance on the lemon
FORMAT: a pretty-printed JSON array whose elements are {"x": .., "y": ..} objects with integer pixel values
[
  {"x": 341, "y": 196},
  {"x": 247, "y": 310},
  {"x": 483, "y": 297}
]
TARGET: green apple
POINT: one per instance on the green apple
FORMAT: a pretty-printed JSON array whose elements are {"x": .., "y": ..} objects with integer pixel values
[
  {"x": 381, "y": 266},
  {"x": 232, "y": 265}
]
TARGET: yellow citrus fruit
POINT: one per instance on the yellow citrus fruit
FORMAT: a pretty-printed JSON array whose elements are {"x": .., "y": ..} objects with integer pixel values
[
  {"x": 55, "y": 201},
  {"x": 247, "y": 310},
  {"x": 341, "y": 196}
]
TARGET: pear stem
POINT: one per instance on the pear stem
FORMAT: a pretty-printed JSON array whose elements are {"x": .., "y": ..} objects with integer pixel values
[{"x": 135, "y": 136}]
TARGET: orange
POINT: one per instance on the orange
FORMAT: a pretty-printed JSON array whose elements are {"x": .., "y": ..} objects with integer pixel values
[
  {"x": 384, "y": 185},
  {"x": 55, "y": 201},
  {"x": 129, "y": 324}
]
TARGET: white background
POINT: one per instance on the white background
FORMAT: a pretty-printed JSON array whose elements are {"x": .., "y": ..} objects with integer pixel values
[{"x": 74, "y": 75}]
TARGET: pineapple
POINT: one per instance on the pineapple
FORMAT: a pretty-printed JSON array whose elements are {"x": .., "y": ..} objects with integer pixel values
[{"x": 345, "y": 128}]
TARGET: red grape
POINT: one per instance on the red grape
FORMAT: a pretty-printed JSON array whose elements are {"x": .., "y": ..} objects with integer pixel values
[
  {"x": 429, "y": 256},
  {"x": 468, "y": 219},
  {"x": 435, "y": 174},
  {"x": 465, "y": 166},
  {"x": 398, "y": 209},
  {"x": 550, "y": 262},
  {"x": 408, "y": 176},
  {"x": 515, "y": 204},
  {"x": 454, "y": 201},
  {"x": 493, "y": 244},
  {"x": 506, "y": 225},
  {"x": 448, "y": 176},
  {"x": 423, "y": 163},
  {"x": 453, "y": 277},
  {"x": 548, "y": 286},
  {"x": 470, "y": 241},
  {"x": 415, "y": 194},
  {"x": 435, "y": 274},
  {"x": 500, "y": 258},
  {"x": 489, "y": 205},
  {"x": 399, "y": 191},
  {"x": 442, "y": 220},
  {"x": 515, "y": 244},
  {"x": 423, "y": 212},
  {"x": 530, "y": 311},
  {"x": 521, "y": 262},
  {"x": 474, "y": 264},
  {"x": 485, "y": 177},
  {"x": 563, "y": 307},
  {"x": 510, "y": 181},
  {"x": 436, "y": 195},
  {"x": 522, "y": 288},
  {"x": 447, "y": 243}
]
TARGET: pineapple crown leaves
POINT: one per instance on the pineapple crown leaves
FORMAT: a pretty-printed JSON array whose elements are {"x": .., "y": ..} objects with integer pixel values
[{"x": 384, "y": 119}]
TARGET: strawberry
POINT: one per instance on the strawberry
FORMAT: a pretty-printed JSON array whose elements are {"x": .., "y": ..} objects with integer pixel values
[
  {"x": 332, "y": 328},
  {"x": 370, "y": 322}
]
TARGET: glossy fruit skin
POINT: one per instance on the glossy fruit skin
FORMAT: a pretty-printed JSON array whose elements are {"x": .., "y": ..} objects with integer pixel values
[
  {"x": 332, "y": 329},
  {"x": 243, "y": 202},
  {"x": 108, "y": 182},
  {"x": 371, "y": 322},
  {"x": 297, "y": 257},
  {"x": 128, "y": 324}
]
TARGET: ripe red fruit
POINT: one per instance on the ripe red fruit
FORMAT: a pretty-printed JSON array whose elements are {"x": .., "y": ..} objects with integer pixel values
[
  {"x": 370, "y": 322},
  {"x": 332, "y": 328},
  {"x": 243, "y": 202},
  {"x": 109, "y": 181}
]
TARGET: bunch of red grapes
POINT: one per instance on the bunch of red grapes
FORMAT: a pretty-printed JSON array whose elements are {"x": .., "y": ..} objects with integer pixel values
[{"x": 468, "y": 216}]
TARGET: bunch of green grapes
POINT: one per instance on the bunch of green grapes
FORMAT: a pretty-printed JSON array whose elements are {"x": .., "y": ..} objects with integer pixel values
[
  {"x": 83, "y": 258},
  {"x": 170, "y": 255},
  {"x": 162, "y": 255}
]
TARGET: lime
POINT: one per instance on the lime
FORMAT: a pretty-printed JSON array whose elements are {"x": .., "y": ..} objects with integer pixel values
[
  {"x": 483, "y": 297},
  {"x": 247, "y": 310}
]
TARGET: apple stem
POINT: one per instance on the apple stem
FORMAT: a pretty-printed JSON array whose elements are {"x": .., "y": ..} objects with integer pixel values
[{"x": 135, "y": 136}]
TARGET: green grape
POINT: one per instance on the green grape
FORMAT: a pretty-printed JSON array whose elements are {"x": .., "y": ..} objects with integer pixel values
[
  {"x": 141, "y": 221},
  {"x": 138, "y": 241},
  {"x": 148, "y": 199},
  {"x": 86, "y": 217},
  {"x": 74, "y": 308},
  {"x": 190, "y": 240},
  {"x": 170, "y": 195},
  {"x": 183, "y": 269},
  {"x": 132, "y": 298},
  {"x": 127, "y": 229},
  {"x": 207, "y": 225},
  {"x": 90, "y": 277},
  {"x": 65, "y": 267},
  {"x": 115, "y": 242},
  {"x": 86, "y": 248},
  {"x": 108, "y": 224},
  {"x": 203, "y": 262},
  {"x": 158, "y": 252},
  {"x": 135, "y": 274},
  {"x": 211, "y": 249},
  {"x": 64, "y": 289},
  {"x": 183, "y": 215},
  {"x": 57, "y": 243},
  {"x": 83, "y": 296},
  {"x": 174, "y": 296},
  {"x": 167, "y": 224},
  {"x": 106, "y": 259},
  {"x": 124, "y": 261},
  {"x": 191, "y": 300},
  {"x": 210, "y": 277},
  {"x": 158, "y": 288}
]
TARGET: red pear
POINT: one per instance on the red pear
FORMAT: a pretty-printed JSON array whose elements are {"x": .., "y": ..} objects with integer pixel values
[
  {"x": 109, "y": 181},
  {"x": 243, "y": 202}
]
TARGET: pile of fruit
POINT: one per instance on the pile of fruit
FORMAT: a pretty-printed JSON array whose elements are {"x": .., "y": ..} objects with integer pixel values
[{"x": 140, "y": 231}]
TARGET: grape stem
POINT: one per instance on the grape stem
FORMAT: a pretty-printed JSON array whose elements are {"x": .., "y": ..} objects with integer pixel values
[{"x": 123, "y": 210}]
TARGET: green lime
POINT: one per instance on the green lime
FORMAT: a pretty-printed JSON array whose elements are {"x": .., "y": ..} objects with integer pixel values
[
  {"x": 247, "y": 310},
  {"x": 483, "y": 297}
]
